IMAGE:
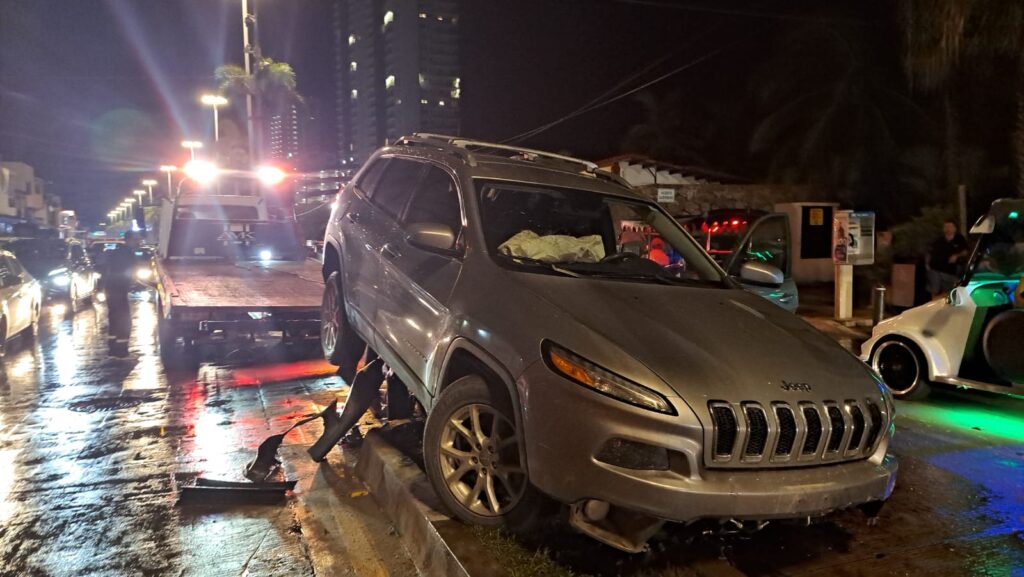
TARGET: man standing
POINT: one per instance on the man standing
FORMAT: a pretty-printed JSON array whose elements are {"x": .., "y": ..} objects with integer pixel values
[
  {"x": 119, "y": 271},
  {"x": 944, "y": 258}
]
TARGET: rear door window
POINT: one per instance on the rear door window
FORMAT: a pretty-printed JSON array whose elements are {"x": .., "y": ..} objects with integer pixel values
[
  {"x": 436, "y": 201},
  {"x": 368, "y": 181},
  {"x": 396, "y": 186}
]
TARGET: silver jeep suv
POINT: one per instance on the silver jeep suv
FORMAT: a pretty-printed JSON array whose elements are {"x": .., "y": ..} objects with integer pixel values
[{"x": 569, "y": 340}]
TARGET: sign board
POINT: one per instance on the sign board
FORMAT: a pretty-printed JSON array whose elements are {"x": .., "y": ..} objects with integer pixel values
[
  {"x": 853, "y": 237},
  {"x": 666, "y": 195}
]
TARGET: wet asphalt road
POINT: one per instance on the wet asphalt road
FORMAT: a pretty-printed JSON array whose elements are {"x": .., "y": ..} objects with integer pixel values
[{"x": 93, "y": 451}]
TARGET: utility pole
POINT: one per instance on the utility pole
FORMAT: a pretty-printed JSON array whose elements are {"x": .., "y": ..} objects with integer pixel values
[{"x": 253, "y": 108}]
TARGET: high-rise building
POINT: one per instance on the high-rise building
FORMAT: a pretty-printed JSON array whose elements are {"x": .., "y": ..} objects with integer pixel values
[
  {"x": 397, "y": 72},
  {"x": 283, "y": 133}
]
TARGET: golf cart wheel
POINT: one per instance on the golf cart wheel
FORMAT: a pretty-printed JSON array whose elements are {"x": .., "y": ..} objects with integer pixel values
[
  {"x": 340, "y": 343},
  {"x": 903, "y": 368},
  {"x": 473, "y": 457},
  {"x": 1002, "y": 345}
]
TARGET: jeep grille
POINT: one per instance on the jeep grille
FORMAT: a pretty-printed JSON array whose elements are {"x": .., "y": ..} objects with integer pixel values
[{"x": 783, "y": 433}]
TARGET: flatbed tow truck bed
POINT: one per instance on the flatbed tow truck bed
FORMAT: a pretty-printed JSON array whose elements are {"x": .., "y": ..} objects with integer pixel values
[
  {"x": 236, "y": 285},
  {"x": 214, "y": 300}
]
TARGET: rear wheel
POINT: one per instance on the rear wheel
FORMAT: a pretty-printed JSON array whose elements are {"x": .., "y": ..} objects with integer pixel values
[
  {"x": 903, "y": 368},
  {"x": 340, "y": 343},
  {"x": 473, "y": 457}
]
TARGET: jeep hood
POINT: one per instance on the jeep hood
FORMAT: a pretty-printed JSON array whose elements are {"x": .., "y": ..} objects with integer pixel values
[{"x": 704, "y": 343}]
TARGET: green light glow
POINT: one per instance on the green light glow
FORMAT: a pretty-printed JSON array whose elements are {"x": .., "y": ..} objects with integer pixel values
[
  {"x": 1014, "y": 214},
  {"x": 963, "y": 415}
]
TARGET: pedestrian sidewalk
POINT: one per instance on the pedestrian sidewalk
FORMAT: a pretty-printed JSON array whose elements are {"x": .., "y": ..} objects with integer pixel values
[{"x": 817, "y": 307}]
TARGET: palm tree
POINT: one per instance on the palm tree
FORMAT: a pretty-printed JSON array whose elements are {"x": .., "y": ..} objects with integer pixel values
[
  {"x": 272, "y": 83},
  {"x": 943, "y": 39},
  {"x": 669, "y": 132},
  {"x": 831, "y": 117}
]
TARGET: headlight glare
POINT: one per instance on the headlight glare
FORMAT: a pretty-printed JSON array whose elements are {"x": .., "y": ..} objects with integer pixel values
[
  {"x": 585, "y": 373},
  {"x": 61, "y": 280}
]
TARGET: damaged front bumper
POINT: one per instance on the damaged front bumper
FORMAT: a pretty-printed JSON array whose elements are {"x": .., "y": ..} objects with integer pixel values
[{"x": 568, "y": 460}]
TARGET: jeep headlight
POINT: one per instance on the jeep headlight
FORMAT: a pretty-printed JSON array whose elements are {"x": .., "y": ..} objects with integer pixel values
[
  {"x": 586, "y": 373},
  {"x": 60, "y": 278}
]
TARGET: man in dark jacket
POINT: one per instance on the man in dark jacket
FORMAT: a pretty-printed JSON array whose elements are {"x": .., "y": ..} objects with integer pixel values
[{"x": 119, "y": 270}]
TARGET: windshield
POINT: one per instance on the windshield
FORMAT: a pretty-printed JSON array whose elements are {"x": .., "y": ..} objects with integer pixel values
[
  {"x": 217, "y": 212},
  {"x": 584, "y": 233},
  {"x": 39, "y": 256},
  {"x": 1001, "y": 253},
  {"x": 265, "y": 240}
]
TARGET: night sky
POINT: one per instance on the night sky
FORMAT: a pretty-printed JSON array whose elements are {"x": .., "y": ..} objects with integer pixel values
[{"x": 96, "y": 93}]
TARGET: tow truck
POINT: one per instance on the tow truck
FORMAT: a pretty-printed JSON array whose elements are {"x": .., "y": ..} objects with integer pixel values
[{"x": 229, "y": 271}]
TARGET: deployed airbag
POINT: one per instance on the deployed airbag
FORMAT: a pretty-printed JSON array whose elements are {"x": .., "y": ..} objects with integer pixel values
[{"x": 554, "y": 247}]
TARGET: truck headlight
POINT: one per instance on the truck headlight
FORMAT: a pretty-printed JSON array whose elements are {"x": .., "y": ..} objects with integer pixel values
[{"x": 586, "y": 373}]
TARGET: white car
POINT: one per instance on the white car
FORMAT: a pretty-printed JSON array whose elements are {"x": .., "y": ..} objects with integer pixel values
[
  {"x": 20, "y": 299},
  {"x": 973, "y": 338}
]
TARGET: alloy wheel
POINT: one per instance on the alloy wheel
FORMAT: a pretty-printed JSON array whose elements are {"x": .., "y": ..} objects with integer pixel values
[
  {"x": 329, "y": 321},
  {"x": 480, "y": 460},
  {"x": 898, "y": 365}
]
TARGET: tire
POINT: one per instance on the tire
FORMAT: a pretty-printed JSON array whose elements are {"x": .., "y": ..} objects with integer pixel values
[
  {"x": 74, "y": 303},
  {"x": 903, "y": 368},
  {"x": 493, "y": 489},
  {"x": 32, "y": 331},
  {"x": 166, "y": 340},
  {"x": 340, "y": 343}
]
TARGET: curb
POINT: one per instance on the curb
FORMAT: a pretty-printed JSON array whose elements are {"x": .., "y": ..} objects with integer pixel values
[{"x": 402, "y": 490}]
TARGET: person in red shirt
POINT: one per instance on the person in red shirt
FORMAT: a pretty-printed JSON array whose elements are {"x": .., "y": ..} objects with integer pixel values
[{"x": 657, "y": 253}]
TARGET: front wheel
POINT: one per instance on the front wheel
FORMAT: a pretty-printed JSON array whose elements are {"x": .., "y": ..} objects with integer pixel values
[
  {"x": 903, "y": 368},
  {"x": 473, "y": 457},
  {"x": 341, "y": 345}
]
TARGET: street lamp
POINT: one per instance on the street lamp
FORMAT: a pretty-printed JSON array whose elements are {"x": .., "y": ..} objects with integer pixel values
[
  {"x": 150, "y": 183},
  {"x": 201, "y": 171},
  {"x": 215, "y": 101},
  {"x": 191, "y": 145},
  {"x": 140, "y": 194},
  {"x": 168, "y": 168}
]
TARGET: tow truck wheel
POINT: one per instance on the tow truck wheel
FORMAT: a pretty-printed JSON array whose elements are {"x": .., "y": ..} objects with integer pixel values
[
  {"x": 903, "y": 368},
  {"x": 473, "y": 458},
  {"x": 339, "y": 341}
]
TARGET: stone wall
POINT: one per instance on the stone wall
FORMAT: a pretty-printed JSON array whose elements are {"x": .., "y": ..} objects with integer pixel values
[{"x": 700, "y": 198}]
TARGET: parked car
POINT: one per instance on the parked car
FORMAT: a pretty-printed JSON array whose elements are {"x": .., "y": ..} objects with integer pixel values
[
  {"x": 553, "y": 364},
  {"x": 974, "y": 337},
  {"x": 737, "y": 236},
  {"x": 62, "y": 266},
  {"x": 20, "y": 300}
]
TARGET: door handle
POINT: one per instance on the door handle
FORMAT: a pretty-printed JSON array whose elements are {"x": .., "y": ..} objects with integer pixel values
[
  {"x": 353, "y": 217},
  {"x": 390, "y": 251}
]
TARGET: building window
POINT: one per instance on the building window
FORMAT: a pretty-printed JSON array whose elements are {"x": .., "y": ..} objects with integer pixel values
[
  {"x": 351, "y": 39},
  {"x": 353, "y": 66},
  {"x": 389, "y": 82},
  {"x": 389, "y": 17},
  {"x": 423, "y": 81},
  {"x": 355, "y": 94},
  {"x": 457, "y": 83},
  {"x": 440, "y": 102},
  {"x": 457, "y": 93},
  {"x": 424, "y": 101},
  {"x": 423, "y": 14}
]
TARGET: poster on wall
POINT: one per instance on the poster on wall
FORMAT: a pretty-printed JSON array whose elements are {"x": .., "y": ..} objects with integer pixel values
[{"x": 853, "y": 237}]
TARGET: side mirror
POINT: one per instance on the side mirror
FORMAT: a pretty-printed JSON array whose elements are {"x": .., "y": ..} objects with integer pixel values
[
  {"x": 958, "y": 296},
  {"x": 985, "y": 225},
  {"x": 761, "y": 274},
  {"x": 431, "y": 236}
]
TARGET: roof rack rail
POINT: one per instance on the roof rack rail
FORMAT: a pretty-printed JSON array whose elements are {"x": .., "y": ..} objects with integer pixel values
[{"x": 468, "y": 143}]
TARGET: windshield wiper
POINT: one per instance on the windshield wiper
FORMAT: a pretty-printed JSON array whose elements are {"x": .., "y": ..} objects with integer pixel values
[{"x": 552, "y": 266}]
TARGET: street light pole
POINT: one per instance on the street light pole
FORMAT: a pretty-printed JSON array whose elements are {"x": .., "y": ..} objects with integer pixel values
[
  {"x": 252, "y": 101},
  {"x": 214, "y": 101},
  {"x": 168, "y": 168},
  {"x": 191, "y": 145},
  {"x": 149, "y": 183}
]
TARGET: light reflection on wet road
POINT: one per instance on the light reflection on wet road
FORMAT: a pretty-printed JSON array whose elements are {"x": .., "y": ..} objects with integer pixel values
[{"x": 93, "y": 448}]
